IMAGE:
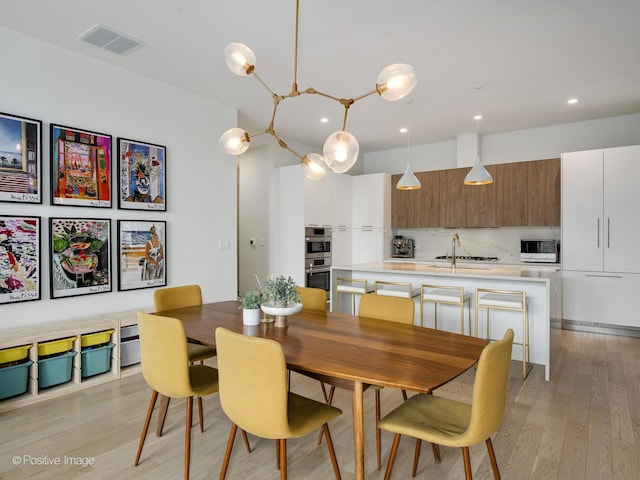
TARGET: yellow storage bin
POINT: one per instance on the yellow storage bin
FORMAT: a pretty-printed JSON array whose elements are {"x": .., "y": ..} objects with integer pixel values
[
  {"x": 55, "y": 346},
  {"x": 14, "y": 354},
  {"x": 97, "y": 338}
]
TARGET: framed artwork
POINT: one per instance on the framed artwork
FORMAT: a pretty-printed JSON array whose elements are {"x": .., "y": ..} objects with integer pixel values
[
  {"x": 80, "y": 256},
  {"x": 20, "y": 159},
  {"x": 142, "y": 175},
  {"x": 19, "y": 258},
  {"x": 80, "y": 167},
  {"x": 141, "y": 254}
]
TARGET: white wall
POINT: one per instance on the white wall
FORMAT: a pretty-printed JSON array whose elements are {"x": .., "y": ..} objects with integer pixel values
[
  {"x": 57, "y": 86},
  {"x": 518, "y": 146}
]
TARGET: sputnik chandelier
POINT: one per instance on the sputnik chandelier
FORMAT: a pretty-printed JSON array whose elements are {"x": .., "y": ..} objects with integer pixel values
[{"x": 340, "y": 150}]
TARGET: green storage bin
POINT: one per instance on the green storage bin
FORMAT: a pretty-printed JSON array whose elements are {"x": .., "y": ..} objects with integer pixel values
[
  {"x": 55, "y": 370},
  {"x": 96, "y": 360},
  {"x": 14, "y": 379}
]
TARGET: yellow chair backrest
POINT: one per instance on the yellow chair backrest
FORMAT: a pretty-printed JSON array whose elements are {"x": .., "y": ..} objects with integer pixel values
[
  {"x": 177, "y": 297},
  {"x": 490, "y": 390},
  {"x": 313, "y": 299},
  {"x": 163, "y": 355},
  {"x": 252, "y": 377},
  {"x": 383, "y": 307}
]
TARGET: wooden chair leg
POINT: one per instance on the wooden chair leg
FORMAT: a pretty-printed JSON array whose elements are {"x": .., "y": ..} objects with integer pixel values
[
  {"x": 332, "y": 452},
  {"x": 278, "y": 454},
  {"x": 200, "y": 414},
  {"x": 283, "y": 458},
  {"x": 467, "y": 463},
  {"x": 492, "y": 456},
  {"x": 162, "y": 414},
  {"x": 246, "y": 441},
  {"x": 187, "y": 438},
  {"x": 416, "y": 457},
  {"x": 435, "y": 448},
  {"x": 145, "y": 428},
  {"x": 378, "y": 435},
  {"x": 404, "y": 395},
  {"x": 328, "y": 399},
  {"x": 227, "y": 453},
  {"x": 392, "y": 456}
]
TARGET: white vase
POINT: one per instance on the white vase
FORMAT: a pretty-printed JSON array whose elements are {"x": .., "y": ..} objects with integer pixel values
[{"x": 251, "y": 316}]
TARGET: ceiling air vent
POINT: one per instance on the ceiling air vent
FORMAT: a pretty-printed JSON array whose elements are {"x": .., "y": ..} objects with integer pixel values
[{"x": 110, "y": 39}]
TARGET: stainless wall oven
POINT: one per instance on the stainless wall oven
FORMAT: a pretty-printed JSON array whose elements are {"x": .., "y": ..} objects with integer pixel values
[{"x": 318, "y": 258}]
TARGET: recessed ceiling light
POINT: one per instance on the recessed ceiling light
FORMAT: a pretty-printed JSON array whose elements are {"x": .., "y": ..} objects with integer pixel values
[
  {"x": 324, "y": 120},
  {"x": 477, "y": 117},
  {"x": 572, "y": 101},
  {"x": 403, "y": 130}
]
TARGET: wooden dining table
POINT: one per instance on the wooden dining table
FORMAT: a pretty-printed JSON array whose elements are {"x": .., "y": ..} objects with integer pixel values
[{"x": 348, "y": 351}]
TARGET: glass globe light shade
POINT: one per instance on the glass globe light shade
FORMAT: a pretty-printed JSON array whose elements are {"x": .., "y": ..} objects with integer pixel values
[
  {"x": 240, "y": 59},
  {"x": 396, "y": 81},
  {"x": 341, "y": 151},
  {"x": 314, "y": 166},
  {"x": 234, "y": 141}
]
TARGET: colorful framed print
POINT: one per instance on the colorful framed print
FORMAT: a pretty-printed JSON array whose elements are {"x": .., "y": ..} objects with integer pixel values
[
  {"x": 20, "y": 159},
  {"x": 141, "y": 175},
  {"x": 19, "y": 259},
  {"x": 80, "y": 256},
  {"x": 141, "y": 254},
  {"x": 80, "y": 167}
]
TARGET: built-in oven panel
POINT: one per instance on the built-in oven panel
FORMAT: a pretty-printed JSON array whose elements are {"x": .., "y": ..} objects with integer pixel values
[{"x": 318, "y": 278}]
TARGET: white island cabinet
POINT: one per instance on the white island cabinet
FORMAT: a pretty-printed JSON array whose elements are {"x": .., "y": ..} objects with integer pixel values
[
  {"x": 600, "y": 228},
  {"x": 543, "y": 287}
]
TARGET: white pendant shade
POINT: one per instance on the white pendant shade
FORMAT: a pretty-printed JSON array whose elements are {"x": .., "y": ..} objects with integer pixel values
[
  {"x": 408, "y": 181},
  {"x": 341, "y": 151},
  {"x": 478, "y": 175},
  {"x": 314, "y": 166}
]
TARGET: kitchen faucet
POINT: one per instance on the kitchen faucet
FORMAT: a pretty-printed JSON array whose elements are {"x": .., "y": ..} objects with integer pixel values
[{"x": 455, "y": 241}]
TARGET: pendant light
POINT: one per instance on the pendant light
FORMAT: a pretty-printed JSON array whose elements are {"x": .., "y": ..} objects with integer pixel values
[
  {"x": 408, "y": 181},
  {"x": 341, "y": 148},
  {"x": 478, "y": 175}
]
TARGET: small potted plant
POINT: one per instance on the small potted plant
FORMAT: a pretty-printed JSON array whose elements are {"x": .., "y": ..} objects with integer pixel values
[
  {"x": 281, "y": 298},
  {"x": 251, "y": 301}
]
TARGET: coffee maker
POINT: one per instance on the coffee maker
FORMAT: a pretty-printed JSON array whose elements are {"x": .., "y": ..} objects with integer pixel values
[{"x": 401, "y": 247}]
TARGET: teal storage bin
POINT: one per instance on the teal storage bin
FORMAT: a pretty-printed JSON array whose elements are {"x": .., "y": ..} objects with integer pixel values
[
  {"x": 55, "y": 370},
  {"x": 14, "y": 379},
  {"x": 96, "y": 360}
]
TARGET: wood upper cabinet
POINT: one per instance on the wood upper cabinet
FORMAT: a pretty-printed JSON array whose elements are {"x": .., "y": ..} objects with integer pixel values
[
  {"x": 543, "y": 197},
  {"x": 481, "y": 202},
  {"x": 402, "y": 205},
  {"x": 453, "y": 198},
  {"x": 427, "y": 207},
  {"x": 511, "y": 190}
]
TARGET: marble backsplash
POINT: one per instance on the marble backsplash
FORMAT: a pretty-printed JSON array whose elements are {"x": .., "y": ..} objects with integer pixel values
[{"x": 503, "y": 243}]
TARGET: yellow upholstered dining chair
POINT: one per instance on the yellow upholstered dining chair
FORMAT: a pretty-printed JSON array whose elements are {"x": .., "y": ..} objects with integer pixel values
[
  {"x": 165, "y": 367},
  {"x": 258, "y": 399},
  {"x": 312, "y": 299},
  {"x": 454, "y": 424},
  {"x": 392, "y": 309},
  {"x": 179, "y": 297}
]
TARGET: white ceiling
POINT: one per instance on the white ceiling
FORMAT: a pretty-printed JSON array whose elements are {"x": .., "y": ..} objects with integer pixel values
[{"x": 530, "y": 56}]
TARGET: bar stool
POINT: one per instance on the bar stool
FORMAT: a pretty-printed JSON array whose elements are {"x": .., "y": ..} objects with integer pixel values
[
  {"x": 353, "y": 287},
  {"x": 506, "y": 300},
  {"x": 445, "y": 295},
  {"x": 396, "y": 289}
]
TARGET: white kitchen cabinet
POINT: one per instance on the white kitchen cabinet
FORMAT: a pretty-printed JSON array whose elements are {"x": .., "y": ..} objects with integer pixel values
[
  {"x": 317, "y": 201},
  {"x": 600, "y": 227},
  {"x": 341, "y": 238},
  {"x": 600, "y": 224},
  {"x": 600, "y": 298},
  {"x": 341, "y": 201},
  {"x": 371, "y": 201},
  {"x": 370, "y": 245}
]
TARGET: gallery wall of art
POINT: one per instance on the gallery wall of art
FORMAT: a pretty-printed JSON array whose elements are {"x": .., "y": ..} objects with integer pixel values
[{"x": 130, "y": 193}]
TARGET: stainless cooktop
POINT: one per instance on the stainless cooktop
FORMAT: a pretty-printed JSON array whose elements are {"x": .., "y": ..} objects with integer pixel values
[{"x": 468, "y": 257}]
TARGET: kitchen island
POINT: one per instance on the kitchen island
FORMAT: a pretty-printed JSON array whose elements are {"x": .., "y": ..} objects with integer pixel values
[{"x": 543, "y": 287}]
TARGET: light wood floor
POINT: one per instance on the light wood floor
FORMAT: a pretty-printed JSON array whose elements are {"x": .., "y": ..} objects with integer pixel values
[{"x": 584, "y": 424}]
